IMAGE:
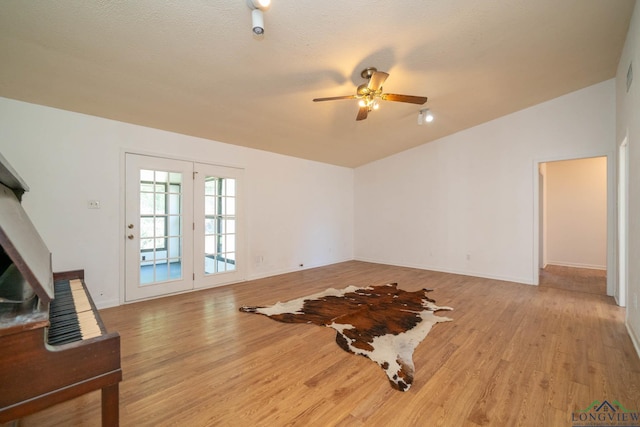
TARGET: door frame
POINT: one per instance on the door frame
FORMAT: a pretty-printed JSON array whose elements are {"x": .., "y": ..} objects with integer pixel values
[
  {"x": 623, "y": 222},
  {"x": 611, "y": 213},
  {"x": 122, "y": 202}
]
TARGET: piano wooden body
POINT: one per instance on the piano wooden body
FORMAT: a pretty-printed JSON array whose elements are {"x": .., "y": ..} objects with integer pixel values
[{"x": 47, "y": 357}]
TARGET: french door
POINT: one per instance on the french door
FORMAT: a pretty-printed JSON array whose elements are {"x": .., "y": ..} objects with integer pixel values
[
  {"x": 182, "y": 230},
  {"x": 216, "y": 207}
]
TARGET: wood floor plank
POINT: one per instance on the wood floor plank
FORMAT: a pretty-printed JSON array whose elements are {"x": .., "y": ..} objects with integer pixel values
[{"x": 514, "y": 355}]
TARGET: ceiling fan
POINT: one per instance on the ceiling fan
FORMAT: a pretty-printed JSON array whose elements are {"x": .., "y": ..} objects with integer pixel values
[{"x": 370, "y": 93}]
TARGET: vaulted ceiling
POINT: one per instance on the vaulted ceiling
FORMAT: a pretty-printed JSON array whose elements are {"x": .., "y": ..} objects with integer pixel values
[{"x": 195, "y": 67}]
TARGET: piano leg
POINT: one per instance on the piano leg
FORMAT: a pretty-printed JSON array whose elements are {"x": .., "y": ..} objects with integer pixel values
[{"x": 110, "y": 406}]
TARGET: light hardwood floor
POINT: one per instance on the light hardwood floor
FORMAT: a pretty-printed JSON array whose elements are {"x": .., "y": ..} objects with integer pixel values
[
  {"x": 574, "y": 279},
  {"x": 514, "y": 355}
]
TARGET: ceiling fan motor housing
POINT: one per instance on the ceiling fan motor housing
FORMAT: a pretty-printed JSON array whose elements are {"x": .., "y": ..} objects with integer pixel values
[
  {"x": 368, "y": 72},
  {"x": 363, "y": 90}
]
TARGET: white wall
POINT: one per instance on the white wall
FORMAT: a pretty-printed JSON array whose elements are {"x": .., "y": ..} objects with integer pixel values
[
  {"x": 467, "y": 203},
  {"x": 576, "y": 212},
  {"x": 628, "y": 123},
  {"x": 298, "y": 211}
]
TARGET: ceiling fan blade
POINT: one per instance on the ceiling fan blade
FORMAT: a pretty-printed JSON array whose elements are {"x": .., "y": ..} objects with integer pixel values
[
  {"x": 362, "y": 113},
  {"x": 376, "y": 81},
  {"x": 404, "y": 98},
  {"x": 333, "y": 98}
]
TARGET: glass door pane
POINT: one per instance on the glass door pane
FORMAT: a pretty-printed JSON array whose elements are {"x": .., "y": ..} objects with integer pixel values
[
  {"x": 219, "y": 224},
  {"x": 160, "y": 226}
]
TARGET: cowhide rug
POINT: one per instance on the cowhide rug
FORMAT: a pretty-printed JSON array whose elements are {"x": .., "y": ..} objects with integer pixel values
[{"x": 383, "y": 323}]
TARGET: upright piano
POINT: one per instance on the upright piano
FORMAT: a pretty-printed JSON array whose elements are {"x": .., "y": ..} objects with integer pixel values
[{"x": 53, "y": 344}]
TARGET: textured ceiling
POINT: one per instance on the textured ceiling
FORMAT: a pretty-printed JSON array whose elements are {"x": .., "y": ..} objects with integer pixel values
[{"x": 195, "y": 67}]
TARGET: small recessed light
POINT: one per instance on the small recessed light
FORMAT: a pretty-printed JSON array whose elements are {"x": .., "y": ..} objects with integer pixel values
[
  {"x": 424, "y": 115},
  {"x": 259, "y": 4}
]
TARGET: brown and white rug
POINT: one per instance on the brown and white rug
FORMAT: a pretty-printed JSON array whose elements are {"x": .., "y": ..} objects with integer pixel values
[{"x": 383, "y": 323}]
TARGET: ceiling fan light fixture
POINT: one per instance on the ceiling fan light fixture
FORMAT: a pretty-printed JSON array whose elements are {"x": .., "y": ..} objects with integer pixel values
[{"x": 370, "y": 94}]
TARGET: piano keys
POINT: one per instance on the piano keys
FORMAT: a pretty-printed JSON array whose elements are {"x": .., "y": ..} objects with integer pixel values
[
  {"x": 71, "y": 314},
  {"x": 53, "y": 344}
]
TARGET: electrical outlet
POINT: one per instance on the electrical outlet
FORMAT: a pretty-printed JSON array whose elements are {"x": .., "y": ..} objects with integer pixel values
[{"x": 93, "y": 204}]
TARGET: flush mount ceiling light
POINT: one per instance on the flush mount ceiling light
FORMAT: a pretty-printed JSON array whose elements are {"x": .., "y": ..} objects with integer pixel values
[
  {"x": 257, "y": 18},
  {"x": 424, "y": 116},
  {"x": 259, "y": 4}
]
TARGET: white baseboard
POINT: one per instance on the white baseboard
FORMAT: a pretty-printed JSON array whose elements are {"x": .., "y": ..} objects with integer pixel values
[
  {"x": 100, "y": 304},
  {"x": 521, "y": 280},
  {"x": 576, "y": 265},
  {"x": 277, "y": 272}
]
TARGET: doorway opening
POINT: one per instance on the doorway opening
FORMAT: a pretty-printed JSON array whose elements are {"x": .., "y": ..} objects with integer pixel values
[{"x": 573, "y": 224}]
